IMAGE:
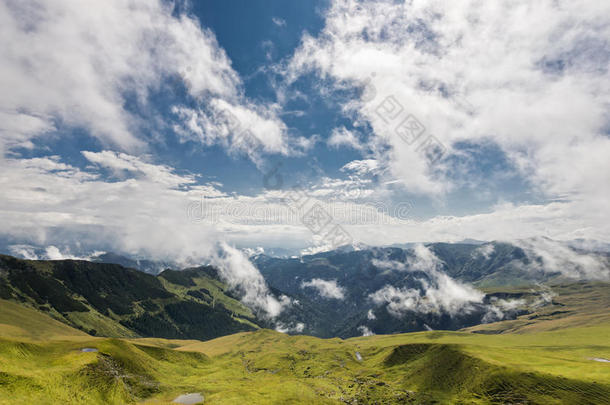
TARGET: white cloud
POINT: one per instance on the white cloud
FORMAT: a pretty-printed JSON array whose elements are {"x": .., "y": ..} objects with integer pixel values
[
  {"x": 65, "y": 68},
  {"x": 484, "y": 251},
  {"x": 326, "y": 288},
  {"x": 122, "y": 162},
  {"x": 26, "y": 251},
  {"x": 343, "y": 137},
  {"x": 299, "y": 327},
  {"x": 559, "y": 220},
  {"x": 362, "y": 167},
  {"x": 280, "y": 22},
  {"x": 54, "y": 253},
  {"x": 545, "y": 295},
  {"x": 235, "y": 269},
  {"x": 246, "y": 129},
  {"x": 52, "y": 203},
  {"x": 439, "y": 292},
  {"x": 496, "y": 310},
  {"x": 389, "y": 265},
  {"x": 481, "y": 73},
  {"x": 424, "y": 259},
  {"x": 551, "y": 256},
  {"x": 62, "y": 62},
  {"x": 365, "y": 331},
  {"x": 50, "y": 252}
]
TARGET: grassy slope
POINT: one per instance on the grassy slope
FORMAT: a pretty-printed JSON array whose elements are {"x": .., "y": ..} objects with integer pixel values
[
  {"x": 59, "y": 372},
  {"x": 19, "y": 322},
  {"x": 448, "y": 366},
  {"x": 41, "y": 362},
  {"x": 269, "y": 367},
  {"x": 109, "y": 300},
  {"x": 576, "y": 304},
  {"x": 215, "y": 295}
]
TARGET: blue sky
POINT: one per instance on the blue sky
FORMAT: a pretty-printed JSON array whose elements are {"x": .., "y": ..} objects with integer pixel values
[{"x": 117, "y": 122}]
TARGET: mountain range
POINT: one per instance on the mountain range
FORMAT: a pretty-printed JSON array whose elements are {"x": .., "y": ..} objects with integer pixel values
[{"x": 342, "y": 293}]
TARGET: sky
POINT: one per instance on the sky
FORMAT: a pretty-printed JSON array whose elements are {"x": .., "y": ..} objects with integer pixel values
[{"x": 165, "y": 128}]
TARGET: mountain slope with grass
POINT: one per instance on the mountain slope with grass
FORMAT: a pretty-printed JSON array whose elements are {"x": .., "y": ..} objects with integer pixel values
[
  {"x": 110, "y": 300},
  {"x": 562, "y": 366}
]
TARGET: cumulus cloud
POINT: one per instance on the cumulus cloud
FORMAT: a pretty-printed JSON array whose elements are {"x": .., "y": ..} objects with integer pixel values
[
  {"x": 424, "y": 259},
  {"x": 68, "y": 65},
  {"x": 439, "y": 293},
  {"x": 244, "y": 129},
  {"x": 478, "y": 73},
  {"x": 389, "y": 264},
  {"x": 124, "y": 165},
  {"x": 50, "y": 252},
  {"x": 326, "y": 288},
  {"x": 545, "y": 295},
  {"x": 67, "y": 69},
  {"x": 444, "y": 295}
]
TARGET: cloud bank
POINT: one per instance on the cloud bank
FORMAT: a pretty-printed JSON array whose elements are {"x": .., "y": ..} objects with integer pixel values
[{"x": 549, "y": 256}]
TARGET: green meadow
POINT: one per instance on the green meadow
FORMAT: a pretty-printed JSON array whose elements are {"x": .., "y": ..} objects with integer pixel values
[{"x": 544, "y": 358}]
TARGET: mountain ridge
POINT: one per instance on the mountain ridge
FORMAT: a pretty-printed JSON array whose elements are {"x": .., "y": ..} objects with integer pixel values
[{"x": 111, "y": 300}]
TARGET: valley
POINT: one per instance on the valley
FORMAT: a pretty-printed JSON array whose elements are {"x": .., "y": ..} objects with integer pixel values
[
  {"x": 74, "y": 332},
  {"x": 41, "y": 361}
]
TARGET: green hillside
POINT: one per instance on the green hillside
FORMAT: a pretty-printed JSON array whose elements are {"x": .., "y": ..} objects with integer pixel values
[
  {"x": 44, "y": 363},
  {"x": 104, "y": 299},
  {"x": 555, "y": 353},
  {"x": 20, "y": 322},
  {"x": 571, "y": 305}
]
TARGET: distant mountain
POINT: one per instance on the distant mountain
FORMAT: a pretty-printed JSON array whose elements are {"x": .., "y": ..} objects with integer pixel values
[
  {"x": 361, "y": 273},
  {"x": 357, "y": 275},
  {"x": 147, "y": 266},
  {"x": 111, "y": 300},
  {"x": 345, "y": 292}
]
